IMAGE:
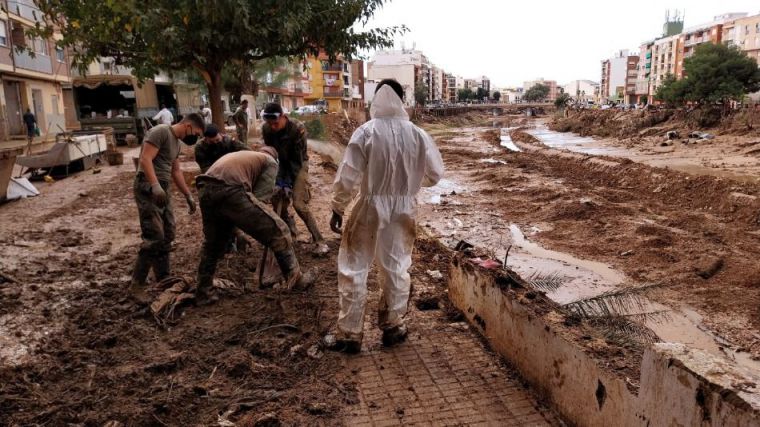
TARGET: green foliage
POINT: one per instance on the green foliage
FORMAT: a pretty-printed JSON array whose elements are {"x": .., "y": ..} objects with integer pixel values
[
  {"x": 465, "y": 94},
  {"x": 315, "y": 129},
  {"x": 536, "y": 93},
  {"x": 715, "y": 73},
  {"x": 421, "y": 94},
  {"x": 481, "y": 94},
  {"x": 496, "y": 96},
  {"x": 562, "y": 100},
  {"x": 177, "y": 35}
]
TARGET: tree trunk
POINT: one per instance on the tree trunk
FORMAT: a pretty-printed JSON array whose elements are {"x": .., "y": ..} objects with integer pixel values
[{"x": 214, "y": 85}]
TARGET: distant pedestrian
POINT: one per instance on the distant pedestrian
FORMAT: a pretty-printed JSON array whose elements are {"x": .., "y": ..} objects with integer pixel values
[
  {"x": 164, "y": 117},
  {"x": 31, "y": 124},
  {"x": 206, "y": 114},
  {"x": 240, "y": 118}
]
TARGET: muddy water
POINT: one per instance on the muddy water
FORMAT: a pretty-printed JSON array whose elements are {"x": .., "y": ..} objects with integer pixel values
[{"x": 684, "y": 161}]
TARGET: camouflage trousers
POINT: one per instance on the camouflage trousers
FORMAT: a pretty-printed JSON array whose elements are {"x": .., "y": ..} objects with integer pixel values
[
  {"x": 301, "y": 198},
  {"x": 242, "y": 133},
  {"x": 225, "y": 207},
  {"x": 157, "y": 228}
]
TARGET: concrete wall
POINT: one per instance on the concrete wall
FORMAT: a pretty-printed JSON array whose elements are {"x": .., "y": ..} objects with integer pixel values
[
  {"x": 52, "y": 103},
  {"x": 678, "y": 387}
]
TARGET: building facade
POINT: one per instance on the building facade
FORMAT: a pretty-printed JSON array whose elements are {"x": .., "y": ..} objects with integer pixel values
[
  {"x": 553, "y": 88},
  {"x": 333, "y": 84},
  {"x": 618, "y": 77},
  {"x": 583, "y": 91},
  {"x": 39, "y": 82}
]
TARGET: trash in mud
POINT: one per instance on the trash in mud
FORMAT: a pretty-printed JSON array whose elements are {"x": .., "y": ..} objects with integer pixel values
[
  {"x": 710, "y": 268},
  {"x": 671, "y": 135},
  {"x": 488, "y": 263},
  {"x": 166, "y": 307},
  {"x": 435, "y": 274}
]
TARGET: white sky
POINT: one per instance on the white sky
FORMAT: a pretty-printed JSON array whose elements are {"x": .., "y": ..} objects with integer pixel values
[{"x": 514, "y": 41}]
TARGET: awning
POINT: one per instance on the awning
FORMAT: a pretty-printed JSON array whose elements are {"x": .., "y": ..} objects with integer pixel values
[{"x": 93, "y": 82}]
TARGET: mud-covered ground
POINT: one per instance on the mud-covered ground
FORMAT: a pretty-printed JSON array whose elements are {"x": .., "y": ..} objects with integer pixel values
[
  {"x": 75, "y": 349},
  {"x": 696, "y": 235}
]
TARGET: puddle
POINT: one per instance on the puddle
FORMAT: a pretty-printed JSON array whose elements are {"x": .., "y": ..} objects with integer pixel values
[
  {"x": 574, "y": 142},
  {"x": 506, "y": 140},
  {"x": 444, "y": 186},
  {"x": 590, "y": 278}
]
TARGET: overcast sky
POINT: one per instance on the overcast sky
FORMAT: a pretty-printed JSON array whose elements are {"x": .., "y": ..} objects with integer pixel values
[{"x": 514, "y": 41}]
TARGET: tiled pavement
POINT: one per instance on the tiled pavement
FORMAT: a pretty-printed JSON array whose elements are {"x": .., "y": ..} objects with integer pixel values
[{"x": 445, "y": 377}]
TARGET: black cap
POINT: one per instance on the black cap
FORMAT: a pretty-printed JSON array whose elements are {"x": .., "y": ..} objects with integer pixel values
[
  {"x": 211, "y": 131},
  {"x": 273, "y": 108}
]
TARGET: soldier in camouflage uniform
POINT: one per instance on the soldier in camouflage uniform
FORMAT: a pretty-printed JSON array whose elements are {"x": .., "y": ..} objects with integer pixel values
[
  {"x": 234, "y": 193},
  {"x": 158, "y": 165},
  {"x": 288, "y": 137},
  {"x": 214, "y": 146}
]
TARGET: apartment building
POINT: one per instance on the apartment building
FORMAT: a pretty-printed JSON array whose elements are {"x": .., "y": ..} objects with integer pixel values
[
  {"x": 40, "y": 82},
  {"x": 409, "y": 67},
  {"x": 581, "y": 90},
  {"x": 333, "y": 83},
  {"x": 618, "y": 77},
  {"x": 292, "y": 91},
  {"x": 744, "y": 33},
  {"x": 485, "y": 83},
  {"x": 711, "y": 32},
  {"x": 664, "y": 59},
  {"x": 553, "y": 88}
]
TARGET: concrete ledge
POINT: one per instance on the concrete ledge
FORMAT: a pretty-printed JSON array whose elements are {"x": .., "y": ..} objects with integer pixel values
[{"x": 678, "y": 387}]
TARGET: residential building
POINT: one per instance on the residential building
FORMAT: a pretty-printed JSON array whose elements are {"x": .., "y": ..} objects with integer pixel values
[
  {"x": 472, "y": 84},
  {"x": 664, "y": 59},
  {"x": 511, "y": 95},
  {"x": 618, "y": 77},
  {"x": 711, "y": 32},
  {"x": 333, "y": 83},
  {"x": 744, "y": 33},
  {"x": 485, "y": 83},
  {"x": 436, "y": 84},
  {"x": 582, "y": 90},
  {"x": 41, "y": 82},
  {"x": 451, "y": 88},
  {"x": 409, "y": 67},
  {"x": 553, "y": 89},
  {"x": 290, "y": 92},
  {"x": 641, "y": 91},
  {"x": 357, "y": 83}
]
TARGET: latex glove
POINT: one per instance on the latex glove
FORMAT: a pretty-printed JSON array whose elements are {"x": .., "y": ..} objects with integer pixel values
[
  {"x": 191, "y": 207},
  {"x": 159, "y": 195},
  {"x": 336, "y": 222}
]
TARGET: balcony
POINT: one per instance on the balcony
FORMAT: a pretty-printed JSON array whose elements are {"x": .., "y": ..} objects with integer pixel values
[
  {"x": 25, "y": 9},
  {"x": 39, "y": 63},
  {"x": 333, "y": 92},
  {"x": 331, "y": 67}
]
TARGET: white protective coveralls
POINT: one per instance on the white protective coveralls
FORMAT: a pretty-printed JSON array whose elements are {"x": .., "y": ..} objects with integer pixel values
[{"x": 387, "y": 160}]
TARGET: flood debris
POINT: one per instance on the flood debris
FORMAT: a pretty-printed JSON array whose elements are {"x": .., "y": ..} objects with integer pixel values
[
  {"x": 709, "y": 268},
  {"x": 178, "y": 293}
]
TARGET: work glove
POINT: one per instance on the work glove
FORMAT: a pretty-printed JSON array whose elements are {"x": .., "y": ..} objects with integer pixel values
[
  {"x": 336, "y": 222},
  {"x": 191, "y": 207},
  {"x": 283, "y": 188},
  {"x": 158, "y": 193}
]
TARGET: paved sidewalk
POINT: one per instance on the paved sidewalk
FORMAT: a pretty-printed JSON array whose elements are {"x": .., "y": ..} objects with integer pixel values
[{"x": 443, "y": 378}]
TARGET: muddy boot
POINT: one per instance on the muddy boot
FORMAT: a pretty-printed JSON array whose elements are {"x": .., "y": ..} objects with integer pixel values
[
  {"x": 161, "y": 266},
  {"x": 321, "y": 248},
  {"x": 204, "y": 293},
  {"x": 395, "y": 335},
  {"x": 300, "y": 281},
  {"x": 139, "y": 278},
  {"x": 333, "y": 341}
]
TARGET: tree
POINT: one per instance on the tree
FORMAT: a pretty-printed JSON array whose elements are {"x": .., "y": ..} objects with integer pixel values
[
  {"x": 481, "y": 94},
  {"x": 537, "y": 92},
  {"x": 496, "y": 96},
  {"x": 421, "y": 94},
  {"x": 465, "y": 94},
  {"x": 178, "y": 35},
  {"x": 715, "y": 73},
  {"x": 562, "y": 100}
]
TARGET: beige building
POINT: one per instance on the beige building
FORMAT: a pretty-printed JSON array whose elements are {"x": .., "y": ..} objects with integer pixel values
[
  {"x": 744, "y": 33},
  {"x": 40, "y": 82},
  {"x": 553, "y": 88}
]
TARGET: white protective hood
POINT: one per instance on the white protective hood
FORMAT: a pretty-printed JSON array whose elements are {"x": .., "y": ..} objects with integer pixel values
[{"x": 387, "y": 105}]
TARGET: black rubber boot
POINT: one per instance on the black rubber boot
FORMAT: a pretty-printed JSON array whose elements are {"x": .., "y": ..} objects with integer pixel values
[
  {"x": 162, "y": 266},
  {"x": 141, "y": 270},
  {"x": 395, "y": 335}
]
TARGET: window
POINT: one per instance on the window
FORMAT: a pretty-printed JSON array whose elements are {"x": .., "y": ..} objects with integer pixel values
[
  {"x": 54, "y": 101},
  {"x": 40, "y": 46},
  {"x": 60, "y": 55},
  {"x": 3, "y": 33}
]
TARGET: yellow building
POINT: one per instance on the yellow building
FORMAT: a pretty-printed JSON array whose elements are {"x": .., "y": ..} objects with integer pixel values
[
  {"x": 39, "y": 82},
  {"x": 332, "y": 84}
]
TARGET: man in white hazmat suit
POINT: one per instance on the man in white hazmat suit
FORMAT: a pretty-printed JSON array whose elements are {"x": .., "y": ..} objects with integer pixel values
[{"x": 387, "y": 161}]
